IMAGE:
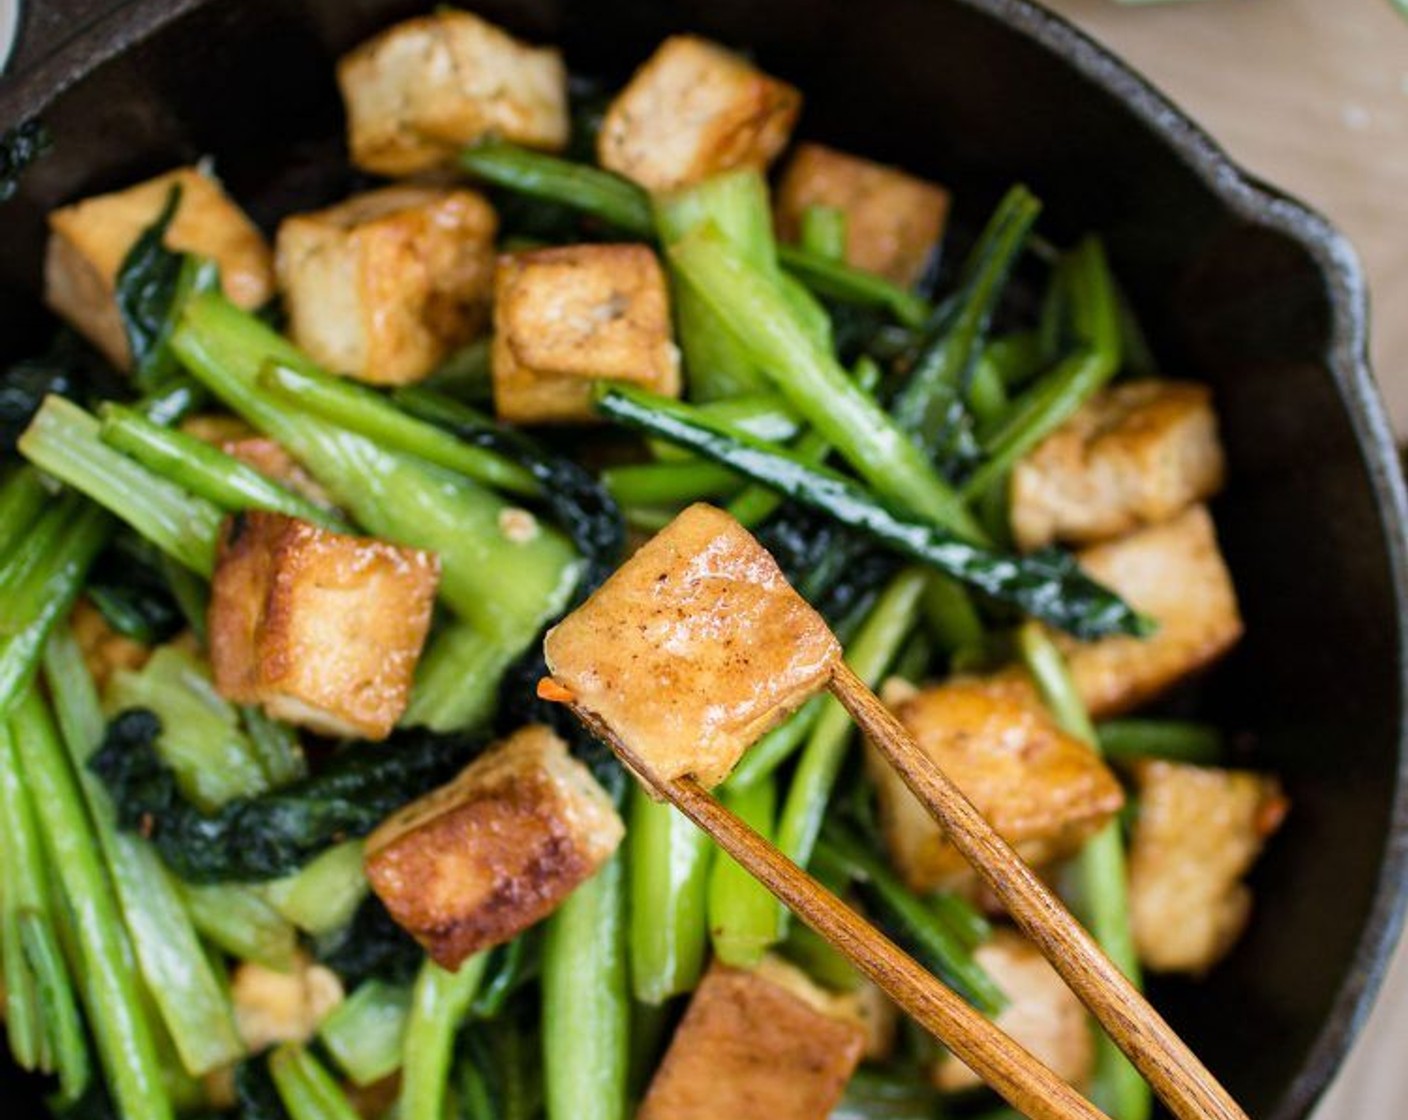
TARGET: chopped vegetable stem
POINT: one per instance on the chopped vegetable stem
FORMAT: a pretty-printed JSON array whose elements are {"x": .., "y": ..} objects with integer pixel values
[
  {"x": 365, "y": 1034},
  {"x": 744, "y": 918},
  {"x": 1198, "y": 744},
  {"x": 823, "y": 232},
  {"x": 439, "y": 1003},
  {"x": 306, "y": 1087},
  {"x": 23, "y": 497},
  {"x": 668, "y": 859}
]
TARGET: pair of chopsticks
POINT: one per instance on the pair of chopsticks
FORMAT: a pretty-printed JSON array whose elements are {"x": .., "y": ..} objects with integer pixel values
[{"x": 1183, "y": 1083}]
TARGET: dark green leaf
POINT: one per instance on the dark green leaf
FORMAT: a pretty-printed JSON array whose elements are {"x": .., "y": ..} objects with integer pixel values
[
  {"x": 277, "y": 832},
  {"x": 371, "y": 946},
  {"x": 19, "y": 147}
]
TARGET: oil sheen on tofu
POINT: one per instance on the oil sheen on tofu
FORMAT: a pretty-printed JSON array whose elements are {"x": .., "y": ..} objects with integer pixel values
[
  {"x": 479, "y": 860},
  {"x": 694, "y": 648}
]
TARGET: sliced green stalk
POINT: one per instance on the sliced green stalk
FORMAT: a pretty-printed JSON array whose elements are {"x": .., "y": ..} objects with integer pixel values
[
  {"x": 239, "y": 920},
  {"x": 306, "y": 1088},
  {"x": 111, "y": 993},
  {"x": 23, "y": 578},
  {"x": 744, "y": 918},
  {"x": 23, "y": 497},
  {"x": 393, "y": 495},
  {"x": 914, "y": 923},
  {"x": 586, "y": 1009},
  {"x": 322, "y": 895},
  {"x": 439, "y": 1003},
  {"x": 276, "y": 746},
  {"x": 748, "y": 301},
  {"x": 650, "y": 484},
  {"x": 1103, "y": 903},
  {"x": 58, "y": 1007},
  {"x": 202, "y": 469},
  {"x": 837, "y": 280},
  {"x": 201, "y": 739},
  {"x": 368, "y": 413},
  {"x": 63, "y": 440},
  {"x": 185, "y": 988},
  {"x": 365, "y": 1034},
  {"x": 961, "y": 916},
  {"x": 669, "y": 865},
  {"x": 457, "y": 679},
  {"x": 880, "y": 638},
  {"x": 1197, "y": 744},
  {"x": 823, "y": 232},
  {"x": 67, "y": 567}
]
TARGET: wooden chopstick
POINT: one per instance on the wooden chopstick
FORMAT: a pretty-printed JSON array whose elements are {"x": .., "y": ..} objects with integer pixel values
[
  {"x": 1183, "y": 1083},
  {"x": 1026, "y": 1084}
]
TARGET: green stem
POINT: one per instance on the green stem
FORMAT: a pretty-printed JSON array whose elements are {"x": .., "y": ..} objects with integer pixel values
[
  {"x": 439, "y": 1003},
  {"x": 111, "y": 993},
  {"x": 1103, "y": 903},
  {"x": 1196, "y": 744},
  {"x": 203, "y": 470},
  {"x": 774, "y": 748},
  {"x": 669, "y": 862},
  {"x": 457, "y": 679},
  {"x": 239, "y": 920},
  {"x": 823, "y": 232},
  {"x": 23, "y": 497},
  {"x": 306, "y": 1088},
  {"x": 365, "y": 1034},
  {"x": 64, "y": 441},
  {"x": 586, "y": 1012},
  {"x": 368, "y": 413},
  {"x": 744, "y": 918},
  {"x": 650, "y": 484}
]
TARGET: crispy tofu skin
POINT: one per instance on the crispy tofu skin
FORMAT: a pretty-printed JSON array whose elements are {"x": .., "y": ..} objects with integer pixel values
[
  {"x": 693, "y": 110},
  {"x": 320, "y": 628},
  {"x": 893, "y": 219},
  {"x": 382, "y": 287},
  {"x": 481, "y": 859},
  {"x": 1175, "y": 573},
  {"x": 1199, "y": 831},
  {"x": 566, "y": 317},
  {"x": 273, "y": 1007},
  {"x": 1042, "y": 1014},
  {"x": 422, "y": 89},
  {"x": 748, "y": 1047},
  {"x": 1137, "y": 454},
  {"x": 89, "y": 240},
  {"x": 1044, "y": 791},
  {"x": 105, "y": 651},
  {"x": 696, "y": 646}
]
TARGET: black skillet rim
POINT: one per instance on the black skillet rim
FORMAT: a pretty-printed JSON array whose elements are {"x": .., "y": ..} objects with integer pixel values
[{"x": 110, "y": 31}]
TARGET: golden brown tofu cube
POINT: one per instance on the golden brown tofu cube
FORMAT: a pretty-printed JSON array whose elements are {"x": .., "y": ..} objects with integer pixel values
[
  {"x": 382, "y": 287},
  {"x": 893, "y": 219},
  {"x": 1042, "y": 1014},
  {"x": 481, "y": 859},
  {"x": 567, "y": 317},
  {"x": 321, "y": 628},
  {"x": 694, "y": 648},
  {"x": 750, "y": 1048},
  {"x": 865, "y": 1006},
  {"x": 1198, "y": 833},
  {"x": 422, "y": 89},
  {"x": 1044, "y": 791},
  {"x": 1136, "y": 454},
  {"x": 273, "y": 1007},
  {"x": 89, "y": 240},
  {"x": 694, "y": 110},
  {"x": 1174, "y": 573}
]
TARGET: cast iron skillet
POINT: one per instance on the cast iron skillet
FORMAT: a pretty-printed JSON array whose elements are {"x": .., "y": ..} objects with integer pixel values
[{"x": 1238, "y": 284}]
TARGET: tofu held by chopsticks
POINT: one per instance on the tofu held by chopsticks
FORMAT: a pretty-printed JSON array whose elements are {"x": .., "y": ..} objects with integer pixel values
[{"x": 694, "y": 648}]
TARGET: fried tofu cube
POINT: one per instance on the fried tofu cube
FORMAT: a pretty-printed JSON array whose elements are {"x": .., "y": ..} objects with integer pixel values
[
  {"x": 893, "y": 219},
  {"x": 1041, "y": 1014},
  {"x": 273, "y": 1007},
  {"x": 567, "y": 317},
  {"x": 477, "y": 861},
  {"x": 422, "y": 89},
  {"x": 1198, "y": 833},
  {"x": 1136, "y": 454},
  {"x": 382, "y": 287},
  {"x": 866, "y": 1006},
  {"x": 693, "y": 110},
  {"x": 748, "y": 1047},
  {"x": 1173, "y": 572},
  {"x": 89, "y": 240},
  {"x": 1044, "y": 791},
  {"x": 322, "y": 629},
  {"x": 695, "y": 647}
]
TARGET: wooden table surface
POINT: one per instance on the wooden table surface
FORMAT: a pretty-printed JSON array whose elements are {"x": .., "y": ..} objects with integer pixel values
[{"x": 1313, "y": 96}]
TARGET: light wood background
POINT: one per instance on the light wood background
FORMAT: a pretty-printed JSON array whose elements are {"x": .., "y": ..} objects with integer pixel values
[{"x": 1313, "y": 96}]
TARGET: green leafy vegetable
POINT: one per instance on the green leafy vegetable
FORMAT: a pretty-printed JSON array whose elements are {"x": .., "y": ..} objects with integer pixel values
[
  {"x": 1047, "y": 585},
  {"x": 19, "y": 147},
  {"x": 277, "y": 832}
]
